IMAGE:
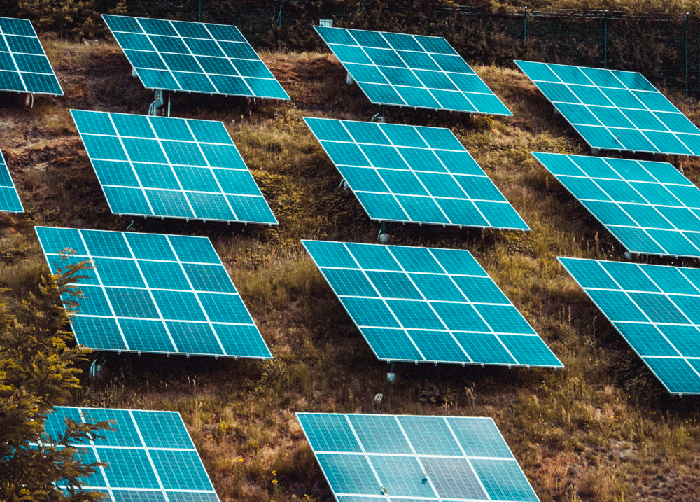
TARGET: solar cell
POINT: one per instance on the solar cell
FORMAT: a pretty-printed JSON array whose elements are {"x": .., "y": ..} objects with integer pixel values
[
  {"x": 154, "y": 293},
  {"x": 170, "y": 167},
  {"x": 411, "y": 70},
  {"x": 24, "y": 66},
  {"x": 615, "y": 110},
  {"x": 655, "y": 308},
  {"x": 403, "y": 457},
  {"x": 9, "y": 200},
  {"x": 149, "y": 455},
  {"x": 413, "y": 174},
  {"x": 649, "y": 207},
  {"x": 193, "y": 57},
  {"x": 428, "y": 305}
]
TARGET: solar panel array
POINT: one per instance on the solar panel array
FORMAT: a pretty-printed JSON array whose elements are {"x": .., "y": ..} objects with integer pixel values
[
  {"x": 149, "y": 455},
  {"x": 24, "y": 66},
  {"x": 411, "y": 70},
  {"x": 193, "y": 57},
  {"x": 9, "y": 200},
  {"x": 428, "y": 305},
  {"x": 154, "y": 293},
  {"x": 373, "y": 458},
  {"x": 655, "y": 308},
  {"x": 615, "y": 110},
  {"x": 170, "y": 167},
  {"x": 414, "y": 174},
  {"x": 649, "y": 207}
]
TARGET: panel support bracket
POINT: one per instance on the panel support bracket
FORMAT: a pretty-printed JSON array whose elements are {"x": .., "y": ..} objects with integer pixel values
[
  {"x": 161, "y": 104},
  {"x": 383, "y": 236}
]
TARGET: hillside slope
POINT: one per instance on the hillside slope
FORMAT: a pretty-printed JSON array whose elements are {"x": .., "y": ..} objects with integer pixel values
[{"x": 601, "y": 429}]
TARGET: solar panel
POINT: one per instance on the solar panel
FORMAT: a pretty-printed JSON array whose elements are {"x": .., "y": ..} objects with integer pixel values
[
  {"x": 170, "y": 167},
  {"x": 655, "y": 308},
  {"x": 411, "y": 70},
  {"x": 371, "y": 458},
  {"x": 428, "y": 305},
  {"x": 149, "y": 455},
  {"x": 24, "y": 66},
  {"x": 414, "y": 174},
  {"x": 649, "y": 207},
  {"x": 615, "y": 110},
  {"x": 193, "y": 57},
  {"x": 154, "y": 293},
  {"x": 9, "y": 200}
]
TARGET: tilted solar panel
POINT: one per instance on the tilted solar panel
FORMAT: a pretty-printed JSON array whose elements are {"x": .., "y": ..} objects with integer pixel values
[
  {"x": 411, "y": 70},
  {"x": 24, "y": 66},
  {"x": 170, "y": 167},
  {"x": 9, "y": 200},
  {"x": 428, "y": 305},
  {"x": 655, "y": 308},
  {"x": 154, "y": 293},
  {"x": 615, "y": 110},
  {"x": 371, "y": 458},
  {"x": 149, "y": 456},
  {"x": 193, "y": 57},
  {"x": 414, "y": 174},
  {"x": 649, "y": 207}
]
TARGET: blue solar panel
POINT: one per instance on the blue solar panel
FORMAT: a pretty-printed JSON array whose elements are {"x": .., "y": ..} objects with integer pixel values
[
  {"x": 655, "y": 308},
  {"x": 170, "y": 167},
  {"x": 9, "y": 200},
  {"x": 649, "y": 207},
  {"x": 615, "y": 110},
  {"x": 414, "y": 174},
  {"x": 428, "y": 305},
  {"x": 154, "y": 293},
  {"x": 193, "y": 57},
  {"x": 402, "y": 457},
  {"x": 411, "y": 70},
  {"x": 24, "y": 66},
  {"x": 149, "y": 455}
]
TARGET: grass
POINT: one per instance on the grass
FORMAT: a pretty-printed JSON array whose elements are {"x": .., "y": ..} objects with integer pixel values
[{"x": 601, "y": 429}]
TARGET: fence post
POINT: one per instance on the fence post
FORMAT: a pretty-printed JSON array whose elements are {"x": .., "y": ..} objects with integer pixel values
[
  {"x": 525, "y": 25},
  {"x": 687, "y": 14},
  {"x": 605, "y": 38}
]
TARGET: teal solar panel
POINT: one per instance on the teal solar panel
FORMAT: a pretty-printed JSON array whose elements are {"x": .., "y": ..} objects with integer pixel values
[
  {"x": 9, "y": 200},
  {"x": 154, "y": 293},
  {"x": 650, "y": 207},
  {"x": 149, "y": 455},
  {"x": 655, "y": 308},
  {"x": 193, "y": 57},
  {"x": 414, "y": 174},
  {"x": 407, "y": 457},
  {"x": 615, "y": 110},
  {"x": 428, "y": 305},
  {"x": 24, "y": 66},
  {"x": 171, "y": 168},
  {"x": 411, "y": 70}
]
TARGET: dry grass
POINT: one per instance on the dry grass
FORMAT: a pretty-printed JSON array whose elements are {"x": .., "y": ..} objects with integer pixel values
[{"x": 601, "y": 429}]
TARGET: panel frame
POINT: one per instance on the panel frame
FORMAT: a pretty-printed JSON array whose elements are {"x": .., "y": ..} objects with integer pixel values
[
  {"x": 217, "y": 84},
  {"x": 92, "y": 447},
  {"x": 140, "y": 318},
  {"x": 647, "y": 321},
  {"x": 628, "y": 242},
  {"x": 365, "y": 86},
  {"x": 399, "y": 200},
  {"x": 189, "y": 196},
  {"x": 376, "y": 421},
  {"x": 613, "y": 132},
  {"x": 451, "y": 335}
]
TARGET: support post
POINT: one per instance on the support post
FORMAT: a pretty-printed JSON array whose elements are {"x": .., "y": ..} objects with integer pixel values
[
  {"x": 687, "y": 15},
  {"x": 161, "y": 104},
  {"x": 605, "y": 38},
  {"x": 199, "y": 15},
  {"x": 525, "y": 25}
]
